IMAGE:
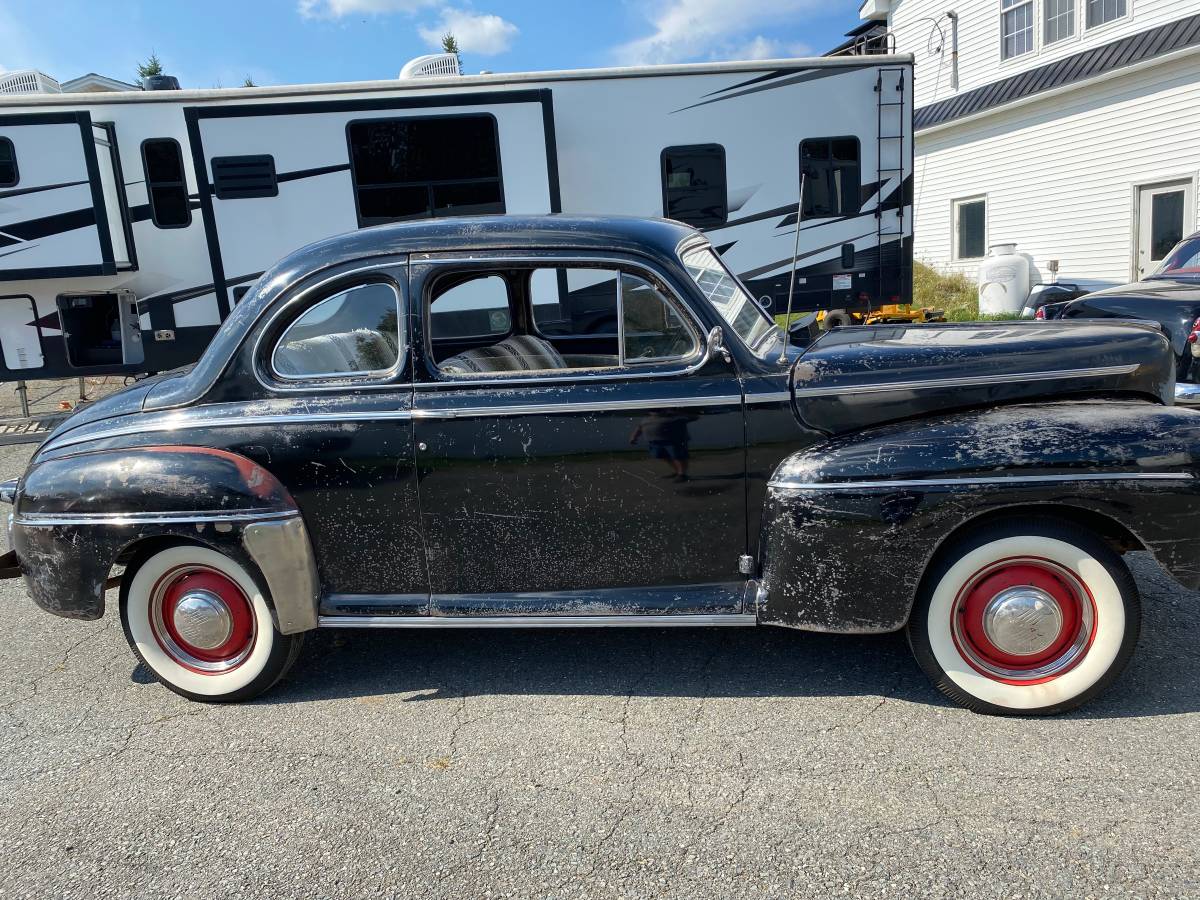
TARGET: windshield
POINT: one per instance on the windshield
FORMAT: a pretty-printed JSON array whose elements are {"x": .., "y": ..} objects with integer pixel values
[
  {"x": 726, "y": 293},
  {"x": 1184, "y": 260}
]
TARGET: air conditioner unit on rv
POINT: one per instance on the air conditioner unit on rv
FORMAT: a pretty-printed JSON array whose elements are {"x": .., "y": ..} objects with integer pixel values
[
  {"x": 432, "y": 66},
  {"x": 28, "y": 81}
]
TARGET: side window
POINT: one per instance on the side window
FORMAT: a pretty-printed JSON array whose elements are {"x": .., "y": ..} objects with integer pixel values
[
  {"x": 564, "y": 318},
  {"x": 970, "y": 228},
  {"x": 353, "y": 332},
  {"x": 165, "y": 184},
  {"x": 476, "y": 307},
  {"x": 651, "y": 329},
  {"x": 414, "y": 168},
  {"x": 830, "y": 172},
  {"x": 9, "y": 175},
  {"x": 693, "y": 180}
]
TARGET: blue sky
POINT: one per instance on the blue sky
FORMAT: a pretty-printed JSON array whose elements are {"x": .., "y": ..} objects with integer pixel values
[{"x": 220, "y": 42}]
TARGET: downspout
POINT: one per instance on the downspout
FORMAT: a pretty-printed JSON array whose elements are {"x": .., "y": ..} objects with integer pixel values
[{"x": 953, "y": 17}]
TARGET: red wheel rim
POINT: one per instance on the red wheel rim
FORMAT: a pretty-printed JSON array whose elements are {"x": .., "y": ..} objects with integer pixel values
[
  {"x": 202, "y": 619},
  {"x": 1023, "y": 620}
]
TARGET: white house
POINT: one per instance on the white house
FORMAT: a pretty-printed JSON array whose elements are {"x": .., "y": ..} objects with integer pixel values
[{"x": 1070, "y": 127}]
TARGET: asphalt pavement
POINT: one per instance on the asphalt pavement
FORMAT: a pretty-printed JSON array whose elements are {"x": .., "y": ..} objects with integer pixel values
[{"x": 606, "y": 763}]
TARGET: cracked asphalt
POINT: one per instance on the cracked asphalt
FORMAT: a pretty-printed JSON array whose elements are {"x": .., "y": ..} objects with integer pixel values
[{"x": 719, "y": 763}]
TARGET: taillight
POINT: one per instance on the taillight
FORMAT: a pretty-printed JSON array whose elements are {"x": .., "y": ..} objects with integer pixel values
[
  {"x": 1041, "y": 313},
  {"x": 1194, "y": 334}
]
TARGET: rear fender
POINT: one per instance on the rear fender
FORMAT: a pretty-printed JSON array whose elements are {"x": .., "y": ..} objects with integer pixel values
[{"x": 77, "y": 516}]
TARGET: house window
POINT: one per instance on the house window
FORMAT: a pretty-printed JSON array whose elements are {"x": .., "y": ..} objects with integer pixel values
[
  {"x": 165, "y": 185},
  {"x": 1016, "y": 27},
  {"x": 970, "y": 228},
  {"x": 1059, "y": 21},
  {"x": 829, "y": 170},
  {"x": 693, "y": 180},
  {"x": 1101, "y": 12},
  {"x": 414, "y": 168},
  {"x": 8, "y": 164}
]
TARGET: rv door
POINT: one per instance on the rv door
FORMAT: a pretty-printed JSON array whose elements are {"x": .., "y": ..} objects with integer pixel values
[{"x": 61, "y": 213}]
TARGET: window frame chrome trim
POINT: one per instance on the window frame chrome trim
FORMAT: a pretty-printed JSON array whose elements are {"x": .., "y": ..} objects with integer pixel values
[
  {"x": 965, "y": 381},
  {"x": 784, "y": 484},
  {"x": 554, "y": 259},
  {"x": 268, "y": 324},
  {"x": 372, "y": 374}
]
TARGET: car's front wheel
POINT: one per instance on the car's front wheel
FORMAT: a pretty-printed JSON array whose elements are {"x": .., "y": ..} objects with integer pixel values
[
  {"x": 1025, "y": 617},
  {"x": 200, "y": 624}
]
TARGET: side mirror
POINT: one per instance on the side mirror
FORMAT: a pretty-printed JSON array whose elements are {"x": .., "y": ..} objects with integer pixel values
[
  {"x": 716, "y": 346},
  {"x": 766, "y": 301}
]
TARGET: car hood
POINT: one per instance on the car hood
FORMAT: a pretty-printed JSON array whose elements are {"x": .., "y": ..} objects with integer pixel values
[{"x": 856, "y": 377}]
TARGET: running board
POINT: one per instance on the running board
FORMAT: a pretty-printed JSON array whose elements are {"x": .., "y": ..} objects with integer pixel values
[{"x": 633, "y": 621}]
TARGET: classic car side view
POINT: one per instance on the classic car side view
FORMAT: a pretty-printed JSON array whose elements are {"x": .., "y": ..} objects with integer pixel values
[
  {"x": 1170, "y": 297},
  {"x": 406, "y": 427}
]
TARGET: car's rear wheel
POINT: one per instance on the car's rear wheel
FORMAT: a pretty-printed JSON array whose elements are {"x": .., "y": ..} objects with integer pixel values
[
  {"x": 1025, "y": 617},
  {"x": 200, "y": 624}
]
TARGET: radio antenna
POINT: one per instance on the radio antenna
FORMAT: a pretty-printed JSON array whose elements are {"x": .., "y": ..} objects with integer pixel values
[{"x": 787, "y": 319}]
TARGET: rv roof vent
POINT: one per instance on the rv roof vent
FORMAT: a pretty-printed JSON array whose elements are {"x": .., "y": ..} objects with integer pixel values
[
  {"x": 28, "y": 81},
  {"x": 160, "y": 83},
  {"x": 432, "y": 66}
]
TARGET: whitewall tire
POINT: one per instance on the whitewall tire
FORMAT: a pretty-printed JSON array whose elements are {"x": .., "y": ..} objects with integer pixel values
[
  {"x": 1025, "y": 617},
  {"x": 201, "y": 625}
]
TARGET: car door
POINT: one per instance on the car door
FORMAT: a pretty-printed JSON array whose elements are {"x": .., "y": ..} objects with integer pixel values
[{"x": 563, "y": 468}]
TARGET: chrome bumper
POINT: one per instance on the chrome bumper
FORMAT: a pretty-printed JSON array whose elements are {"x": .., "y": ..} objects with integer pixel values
[
  {"x": 8, "y": 490},
  {"x": 1186, "y": 394}
]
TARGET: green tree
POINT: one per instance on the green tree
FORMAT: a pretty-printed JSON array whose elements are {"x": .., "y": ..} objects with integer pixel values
[
  {"x": 152, "y": 66},
  {"x": 450, "y": 45}
]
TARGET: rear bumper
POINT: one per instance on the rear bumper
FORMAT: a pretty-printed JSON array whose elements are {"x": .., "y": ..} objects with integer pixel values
[
  {"x": 9, "y": 567},
  {"x": 1186, "y": 394}
]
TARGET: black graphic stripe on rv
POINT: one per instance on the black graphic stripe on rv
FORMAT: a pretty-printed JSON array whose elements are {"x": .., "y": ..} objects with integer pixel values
[
  {"x": 199, "y": 291},
  {"x": 47, "y": 226},
  {"x": 142, "y": 212},
  {"x": 18, "y": 192},
  {"x": 758, "y": 79},
  {"x": 814, "y": 75},
  {"x": 763, "y": 270}
]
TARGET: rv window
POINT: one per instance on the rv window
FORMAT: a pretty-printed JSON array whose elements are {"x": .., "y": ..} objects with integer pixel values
[
  {"x": 415, "y": 168},
  {"x": 165, "y": 184},
  {"x": 8, "y": 163},
  {"x": 354, "y": 332},
  {"x": 970, "y": 228},
  {"x": 693, "y": 180},
  {"x": 829, "y": 169}
]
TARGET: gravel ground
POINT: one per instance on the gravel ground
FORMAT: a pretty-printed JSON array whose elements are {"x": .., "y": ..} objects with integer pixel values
[{"x": 754, "y": 762}]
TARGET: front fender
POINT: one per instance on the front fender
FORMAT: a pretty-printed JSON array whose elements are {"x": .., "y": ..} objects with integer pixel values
[
  {"x": 77, "y": 516},
  {"x": 850, "y": 525}
]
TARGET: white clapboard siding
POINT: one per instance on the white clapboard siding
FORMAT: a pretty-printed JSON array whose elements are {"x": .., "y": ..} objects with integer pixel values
[
  {"x": 979, "y": 63},
  {"x": 1059, "y": 173}
]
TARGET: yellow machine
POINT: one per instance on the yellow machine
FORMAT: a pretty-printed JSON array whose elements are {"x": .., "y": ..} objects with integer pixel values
[{"x": 890, "y": 312}]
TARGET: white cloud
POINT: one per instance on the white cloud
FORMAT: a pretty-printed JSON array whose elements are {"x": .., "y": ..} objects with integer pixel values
[
  {"x": 715, "y": 29},
  {"x": 480, "y": 33},
  {"x": 339, "y": 9}
]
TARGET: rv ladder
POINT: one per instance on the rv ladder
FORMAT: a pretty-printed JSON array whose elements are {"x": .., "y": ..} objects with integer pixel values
[{"x": 889, "y": 159}]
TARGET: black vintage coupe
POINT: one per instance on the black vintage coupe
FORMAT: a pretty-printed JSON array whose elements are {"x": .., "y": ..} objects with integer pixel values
[
  {"x": 402, "y": 428},
  {"x": 1170, "y": 297}
]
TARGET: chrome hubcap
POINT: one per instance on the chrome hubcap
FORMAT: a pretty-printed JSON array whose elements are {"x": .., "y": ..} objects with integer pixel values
[
  {"x": 1023, "y": 621},
  {"x": 203, "y": 620}
]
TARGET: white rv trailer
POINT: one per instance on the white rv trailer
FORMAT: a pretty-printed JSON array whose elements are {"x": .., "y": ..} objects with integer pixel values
[{"x": 130, "y": 223}]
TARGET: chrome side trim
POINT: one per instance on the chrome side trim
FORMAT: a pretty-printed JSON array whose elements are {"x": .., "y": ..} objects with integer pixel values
[
  {"x": 632, "y": 621},
  {"x": 772, "y": 397},
  {"x": 554, "y": 408},
  {"x": 178, "y": 423},
  {"x": 283, "y": 553},
  {"x": 8, "y": 490},
  {"x": 787, "y": 485},
  {"x": 1185, "y": 395},
  {"x": 45, "y": 520},
  {"x": 967, "y": 381}
]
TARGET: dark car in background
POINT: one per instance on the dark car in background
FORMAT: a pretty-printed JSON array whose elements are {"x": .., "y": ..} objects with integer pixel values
[{"x": 1170, "y": 297}]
